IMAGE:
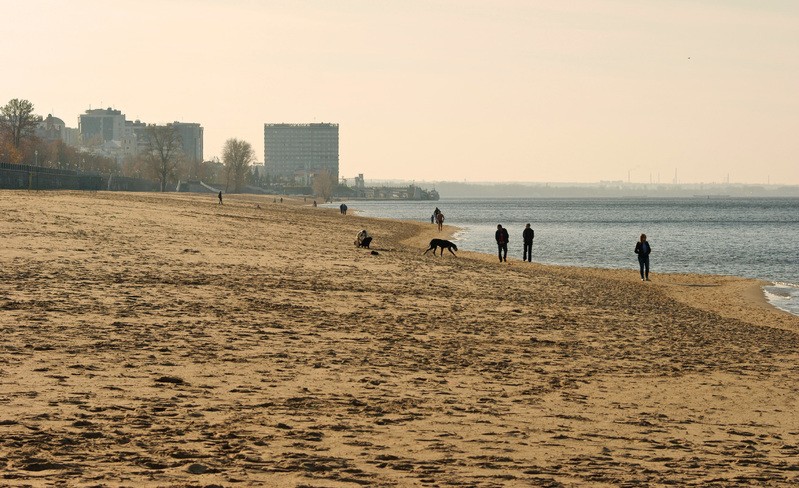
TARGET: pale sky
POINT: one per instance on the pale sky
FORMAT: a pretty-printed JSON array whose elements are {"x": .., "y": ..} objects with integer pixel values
[{"x": 490, "y": 90}]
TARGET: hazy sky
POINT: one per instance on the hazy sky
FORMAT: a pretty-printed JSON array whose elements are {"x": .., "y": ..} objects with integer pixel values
[{"x": 491, "y": 90}]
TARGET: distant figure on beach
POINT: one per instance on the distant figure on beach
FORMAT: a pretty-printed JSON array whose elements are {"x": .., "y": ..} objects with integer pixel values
[
  {"x": 528, "y": 235},
  {"x": 281, "y": 199},
  {"x": 440, "y": 220},
  {"x": 433, "y": 218},
  {"x": 314, "y": 203},
  {"x": 343, "y": 209},
  {"x": 642, "y": 249},
  {"x": 502, "y": 237},
  {"x": 363, "y": 239},
  {"x": 220, "y": 197}
]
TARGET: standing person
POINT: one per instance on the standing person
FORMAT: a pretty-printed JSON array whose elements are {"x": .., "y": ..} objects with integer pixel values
[
  {"x": 527, "y": 235},
  {"x": 220, "y": 197},
  {"x": 642, "y": 249},
  {"x": 502, "y": 237},
  {"x": 440, "y": 220}
]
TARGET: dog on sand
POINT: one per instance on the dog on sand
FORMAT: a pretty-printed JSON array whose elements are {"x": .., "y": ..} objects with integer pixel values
[{"x": 443, "y": 244}]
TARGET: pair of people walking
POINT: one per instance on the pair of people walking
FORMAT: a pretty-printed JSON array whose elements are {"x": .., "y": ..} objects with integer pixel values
[{"x": 502, "y": 237}]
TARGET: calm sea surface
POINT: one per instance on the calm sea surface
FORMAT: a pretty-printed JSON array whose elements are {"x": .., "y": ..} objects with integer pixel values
[{"x": 754, "y": 238}]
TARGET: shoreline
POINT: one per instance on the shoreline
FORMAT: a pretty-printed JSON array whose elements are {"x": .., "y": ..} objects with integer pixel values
[
  {"x": 750, "y": 290},
  {"x": 606, "y": 247},
  {"x": 754, "y": 294},
  {"x": 165, "y": 340}
]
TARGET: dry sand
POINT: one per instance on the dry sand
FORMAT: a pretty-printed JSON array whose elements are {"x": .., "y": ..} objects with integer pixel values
[{"x": 165, "y": 340}]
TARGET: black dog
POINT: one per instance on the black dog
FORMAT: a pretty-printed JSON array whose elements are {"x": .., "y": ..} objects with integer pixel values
[{"x": 443, "y": 244}]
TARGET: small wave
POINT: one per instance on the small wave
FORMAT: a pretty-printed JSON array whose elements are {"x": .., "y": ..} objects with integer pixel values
[{"x": 784, "y": 296}]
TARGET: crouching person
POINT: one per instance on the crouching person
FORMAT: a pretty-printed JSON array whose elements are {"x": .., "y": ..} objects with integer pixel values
[{"x": 363, "y": 239}]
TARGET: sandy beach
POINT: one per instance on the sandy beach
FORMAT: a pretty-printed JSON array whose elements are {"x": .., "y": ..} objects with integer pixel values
[{"x": 166, "y": 340}]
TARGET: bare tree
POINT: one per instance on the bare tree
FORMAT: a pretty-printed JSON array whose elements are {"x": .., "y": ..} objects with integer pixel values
[
  {"x": 237, "y": 156},
  {"x": 163, "y": 151},
  {"x": 17, "y": 121},
  {"x": 323, "y": 185}
]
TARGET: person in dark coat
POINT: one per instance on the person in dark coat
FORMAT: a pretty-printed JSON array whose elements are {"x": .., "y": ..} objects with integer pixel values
[
  {"x": 501, "y": 235},
  {"x": 527, "y": 235},
  {"x": 220, "y": 197},
  {"x": 642, "y": 249}
]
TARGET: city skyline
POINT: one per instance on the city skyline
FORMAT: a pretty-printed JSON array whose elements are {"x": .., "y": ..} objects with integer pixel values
[{"x": 442, "y": 90}]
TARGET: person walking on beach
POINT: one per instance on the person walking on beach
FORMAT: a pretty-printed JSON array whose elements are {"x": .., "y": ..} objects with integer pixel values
[
  {"x": 343, "y": 209},
  {"x": 220, "y": 197},
  {"x": 440, "y": 220},
  {"x": 527, "y": 235},
  {"x": 642, "y": 249},
  {"x": 501, "y": 235}
]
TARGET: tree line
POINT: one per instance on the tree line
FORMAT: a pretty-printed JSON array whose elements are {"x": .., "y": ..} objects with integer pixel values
[{"x": 161, "y": 158}]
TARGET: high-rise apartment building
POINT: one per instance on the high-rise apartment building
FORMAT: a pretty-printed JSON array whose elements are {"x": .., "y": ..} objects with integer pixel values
[
  {"x": 101, "y": 125},
  {"x": 191, "y": 138},
  {"x": 297, "y": 152}
]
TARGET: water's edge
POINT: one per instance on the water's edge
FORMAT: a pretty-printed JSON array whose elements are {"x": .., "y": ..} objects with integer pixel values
[{"x": 780, "y": 295}]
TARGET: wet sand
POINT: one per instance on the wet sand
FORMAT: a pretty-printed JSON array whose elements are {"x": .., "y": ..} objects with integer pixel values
[{"x": 166, "y": 340}]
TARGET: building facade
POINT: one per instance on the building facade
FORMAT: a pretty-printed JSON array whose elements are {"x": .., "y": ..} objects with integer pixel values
[
  {"x": 106, "y": 132},
  {"x": 191, "y": 138},
  {"x": 101, "y": 125},
  {"x": 51, "y": 129},
  {"x": 297, "y": 152}
]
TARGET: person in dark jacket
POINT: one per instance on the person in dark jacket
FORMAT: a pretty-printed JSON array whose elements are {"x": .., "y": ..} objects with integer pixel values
[
  {"x": 642, "y": 249},
  {"x": 527, "y": 235},
  {"x": 501, "y": 235},
  {"x": 220, "y": 197}
]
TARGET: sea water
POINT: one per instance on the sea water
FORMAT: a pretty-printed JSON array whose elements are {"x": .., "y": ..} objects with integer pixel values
[{"x": 750, "y": 237}]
